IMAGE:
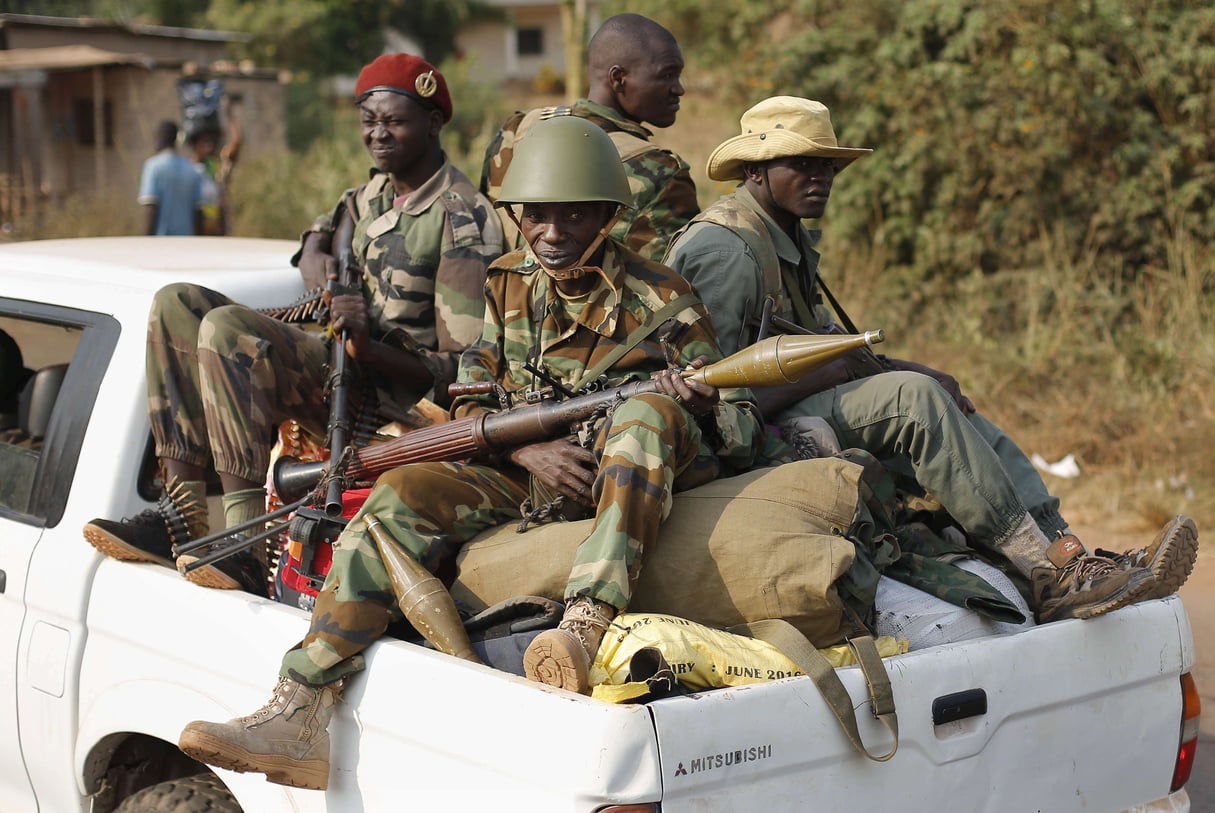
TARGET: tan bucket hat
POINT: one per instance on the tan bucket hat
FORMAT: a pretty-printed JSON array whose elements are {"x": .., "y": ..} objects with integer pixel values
[{"x": 780, "y": 127}]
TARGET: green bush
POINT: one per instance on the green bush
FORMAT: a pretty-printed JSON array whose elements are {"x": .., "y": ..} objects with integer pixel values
[{"x": 993, "y": 123}]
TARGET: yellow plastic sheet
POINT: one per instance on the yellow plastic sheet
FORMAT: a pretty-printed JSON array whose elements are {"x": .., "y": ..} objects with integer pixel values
[{"x": 701, "y": 657}]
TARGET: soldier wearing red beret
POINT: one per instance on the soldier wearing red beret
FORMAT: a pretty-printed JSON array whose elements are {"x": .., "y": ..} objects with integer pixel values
[
  {"x": 409, "y": 76},
  {"x": 416, "y": 207},
  {"x": 423, "y": 238}
]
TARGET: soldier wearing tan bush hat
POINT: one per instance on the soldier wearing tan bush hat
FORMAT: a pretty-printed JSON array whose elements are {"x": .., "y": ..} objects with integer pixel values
[
  {"x": 781, "y": 127},
  {"x": 751, "y": 255}
]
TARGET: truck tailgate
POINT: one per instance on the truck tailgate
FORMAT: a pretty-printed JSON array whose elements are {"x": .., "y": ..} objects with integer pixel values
[{"x": 1104, "y": 692}]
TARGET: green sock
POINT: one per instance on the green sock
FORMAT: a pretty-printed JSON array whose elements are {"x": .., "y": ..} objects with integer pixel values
[{"x": 244, "y": 505}]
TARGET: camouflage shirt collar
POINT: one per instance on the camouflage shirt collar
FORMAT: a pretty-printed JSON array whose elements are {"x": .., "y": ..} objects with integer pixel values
[
  {"x": 602, "y": 309},
  {"x": 600, "y": 113},
  {"x": 423, "y": 197},
  {"x": 786, "y": 249}
]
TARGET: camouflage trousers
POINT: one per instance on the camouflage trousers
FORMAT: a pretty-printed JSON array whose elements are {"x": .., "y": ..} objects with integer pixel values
[
  {"x": 222, "y": 377},
  {"x": 911, "y": 424},
  {"x": 648, "y": 449}
]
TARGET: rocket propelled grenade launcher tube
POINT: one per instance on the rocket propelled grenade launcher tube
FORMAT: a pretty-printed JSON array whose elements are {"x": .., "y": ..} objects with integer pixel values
[{"x": 773, "y": 362}]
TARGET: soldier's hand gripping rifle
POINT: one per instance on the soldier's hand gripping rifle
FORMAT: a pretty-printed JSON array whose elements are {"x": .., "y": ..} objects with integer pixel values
[{"x": 344, "y": 280}]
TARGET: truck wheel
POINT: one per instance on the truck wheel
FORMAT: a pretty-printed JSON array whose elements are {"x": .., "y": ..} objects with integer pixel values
[{"x": 201, "y": 793}]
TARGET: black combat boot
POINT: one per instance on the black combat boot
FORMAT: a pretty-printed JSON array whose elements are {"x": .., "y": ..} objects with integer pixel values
[
  {"x": 240, "y": 571},
  {"x": 150, "y": 535}
]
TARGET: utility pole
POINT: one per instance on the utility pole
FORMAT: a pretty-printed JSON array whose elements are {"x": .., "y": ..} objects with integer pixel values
[{"x": 573, "y": 28}]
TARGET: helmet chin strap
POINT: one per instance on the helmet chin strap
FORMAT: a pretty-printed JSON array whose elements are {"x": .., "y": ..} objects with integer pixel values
[{"x": 578, "y": 269}]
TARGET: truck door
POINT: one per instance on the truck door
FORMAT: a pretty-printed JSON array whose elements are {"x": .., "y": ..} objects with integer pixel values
[{"x": 51, "y": 364}]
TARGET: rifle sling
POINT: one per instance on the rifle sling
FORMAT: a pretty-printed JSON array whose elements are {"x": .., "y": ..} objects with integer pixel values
[
  {"x": 636, "y": 337},
  {"x": 790, "y": 641},
  {"x": 836, "y": 306}
]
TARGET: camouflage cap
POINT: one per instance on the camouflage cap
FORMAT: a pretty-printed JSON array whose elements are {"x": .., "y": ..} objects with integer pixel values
[{"x": 780, "y": 127}]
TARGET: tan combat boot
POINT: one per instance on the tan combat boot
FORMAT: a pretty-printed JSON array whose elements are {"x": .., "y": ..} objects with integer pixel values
[
  {"x": 563, "y": 656},
  {"x": 287, "y": 739},
  {"x": 1170, "y": 556},
  {"x": 1082, "y": 586}
]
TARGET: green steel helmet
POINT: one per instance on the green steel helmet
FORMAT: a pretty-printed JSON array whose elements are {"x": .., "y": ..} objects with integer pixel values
[{"x": 565, "y": 159}]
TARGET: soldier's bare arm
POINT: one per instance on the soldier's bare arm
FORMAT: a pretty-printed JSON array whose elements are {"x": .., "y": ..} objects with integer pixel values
[
  {"x": 349, "y": 313},
  {"x": 316, "y": 264}
]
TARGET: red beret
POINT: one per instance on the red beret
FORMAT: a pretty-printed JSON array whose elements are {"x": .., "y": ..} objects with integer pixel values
[{"x": 407, "y": 75}]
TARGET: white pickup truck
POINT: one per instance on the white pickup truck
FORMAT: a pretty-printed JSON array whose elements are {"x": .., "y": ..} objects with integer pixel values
[{"x": 103, "y": 662}]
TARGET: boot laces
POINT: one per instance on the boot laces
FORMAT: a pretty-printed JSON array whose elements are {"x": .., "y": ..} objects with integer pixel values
[
  {"x": 1084, "y": 570},
  {"x": 276, "y": 703},
  {"x": 583, "y": 619}
]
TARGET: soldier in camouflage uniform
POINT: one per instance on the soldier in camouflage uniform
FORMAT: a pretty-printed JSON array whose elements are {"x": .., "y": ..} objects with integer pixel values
[
  {"x": 567, "y": 303},
  {"x": 222, "y": 377},
  {"x": 634, "y": 67},
  {"x": 752, "y": 244}
]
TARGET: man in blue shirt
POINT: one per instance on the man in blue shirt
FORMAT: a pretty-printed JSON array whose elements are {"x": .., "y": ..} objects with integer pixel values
[{"x": 169, "y": 188}]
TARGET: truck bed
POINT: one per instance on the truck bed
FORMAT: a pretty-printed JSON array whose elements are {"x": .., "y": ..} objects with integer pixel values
[{"x": 760, "y": 747}]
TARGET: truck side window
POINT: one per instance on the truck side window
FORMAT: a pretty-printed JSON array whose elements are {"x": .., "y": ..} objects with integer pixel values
[
  {"x": 51, "y": 363},
  {"x": 33, "y": 366}
]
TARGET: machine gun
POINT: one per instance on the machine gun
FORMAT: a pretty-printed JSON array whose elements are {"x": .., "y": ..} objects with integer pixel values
[
  {"x": 343, "y": 281},
  {"x": 339, "y": 366},
  {"x": 772, "y": 362}
]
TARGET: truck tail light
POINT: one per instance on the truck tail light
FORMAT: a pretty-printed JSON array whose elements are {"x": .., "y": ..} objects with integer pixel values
[{"x": 1191, "y": 709}]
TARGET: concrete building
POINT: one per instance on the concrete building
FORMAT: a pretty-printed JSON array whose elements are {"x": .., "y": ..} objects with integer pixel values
[
  {"x": 80, "y": 99},
  {"x": 523, "y": 42}
]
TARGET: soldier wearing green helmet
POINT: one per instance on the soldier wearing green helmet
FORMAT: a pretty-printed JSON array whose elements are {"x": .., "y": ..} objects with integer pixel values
[
  {"x": 572, "y": 308},
  {"x": 634, "y": 69}
]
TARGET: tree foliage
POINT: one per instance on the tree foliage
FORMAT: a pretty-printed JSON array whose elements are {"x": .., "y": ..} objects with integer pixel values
[
  {"x": 993, "y": 123},
  {"x": 327, "y": 37},
  {"x": 314, "y": 37}
]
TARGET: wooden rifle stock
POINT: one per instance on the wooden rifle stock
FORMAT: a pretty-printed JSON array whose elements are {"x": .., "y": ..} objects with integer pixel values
[{"x": 771, "y": 362}]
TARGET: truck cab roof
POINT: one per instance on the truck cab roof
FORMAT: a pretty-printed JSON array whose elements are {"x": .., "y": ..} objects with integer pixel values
[{"x": 106, "y": 273}]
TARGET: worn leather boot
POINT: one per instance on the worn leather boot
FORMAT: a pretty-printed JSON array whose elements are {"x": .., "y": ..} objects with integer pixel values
[
  {"x": 1083, "y": 586},
  {"x": 287, "y": 739},
  {"x": 562, "y": 657},
  {"x": 1170, "y": 556}
]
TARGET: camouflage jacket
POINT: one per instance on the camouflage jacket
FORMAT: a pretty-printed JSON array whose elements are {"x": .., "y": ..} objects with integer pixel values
[
  {"x": 735, "y": 255},
  {"x": 525, "y": 318},
  {"x": 424, "y": 264},
  {"x": 663, "y": 191}
]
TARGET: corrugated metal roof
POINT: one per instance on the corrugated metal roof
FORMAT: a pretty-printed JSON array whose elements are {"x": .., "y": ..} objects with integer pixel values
[
  {"x": 102, "y": 24},
  {"x": 66, "y": 57}
]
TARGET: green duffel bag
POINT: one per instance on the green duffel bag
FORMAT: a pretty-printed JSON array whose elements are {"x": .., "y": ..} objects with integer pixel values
[{"x": 773, "y": 543}]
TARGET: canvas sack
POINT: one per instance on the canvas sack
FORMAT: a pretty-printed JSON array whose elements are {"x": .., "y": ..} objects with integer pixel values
[{"x": 768, "y": 544}]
